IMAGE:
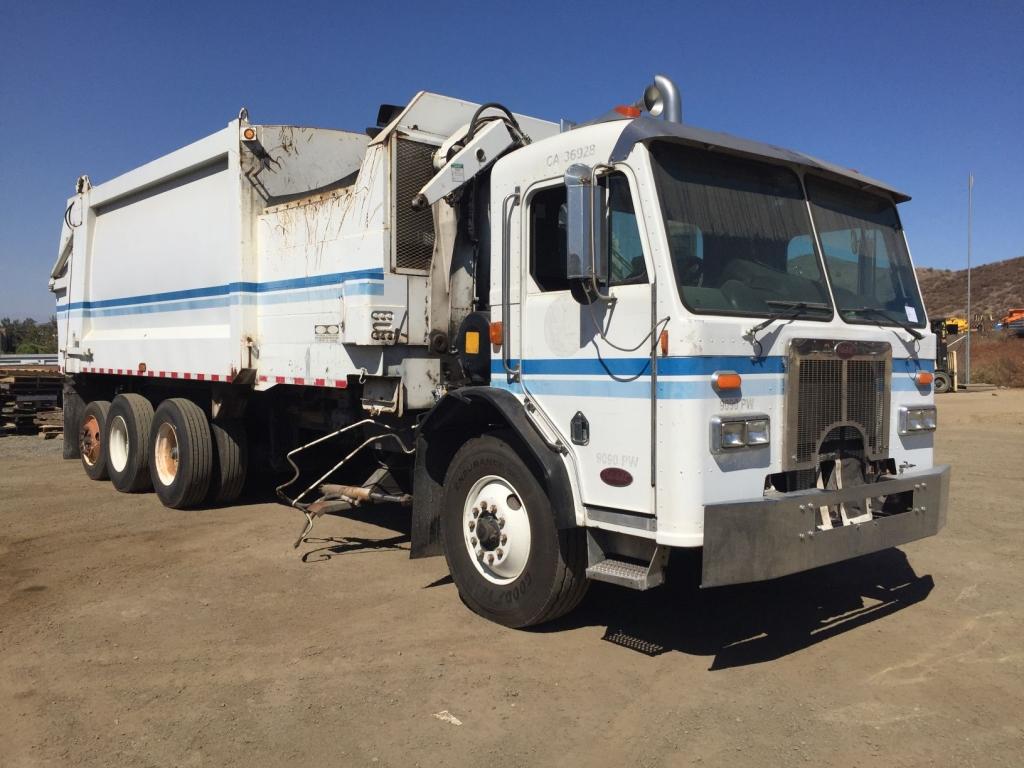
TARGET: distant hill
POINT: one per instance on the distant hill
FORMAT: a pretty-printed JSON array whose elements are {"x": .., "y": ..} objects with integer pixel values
[{"x": 994, "y": 289}]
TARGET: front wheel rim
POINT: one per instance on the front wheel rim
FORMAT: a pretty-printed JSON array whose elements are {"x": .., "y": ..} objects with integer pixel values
[
  {"x": 496, "y": 529},
  {"x": 165, "y": 457}
]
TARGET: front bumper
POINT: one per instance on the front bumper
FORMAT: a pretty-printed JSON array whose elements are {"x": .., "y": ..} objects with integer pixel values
[{"x": 764, "y": 538}]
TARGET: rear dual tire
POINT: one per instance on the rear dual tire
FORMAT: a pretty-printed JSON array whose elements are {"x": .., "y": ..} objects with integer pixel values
[
  {"x": 127, "y": 443},
  {"x": 92, "y": 431},
  {"x": 231, "y": 458},
  {"x": 193, "y": 461},
  {"x": 181, "y": 453}
]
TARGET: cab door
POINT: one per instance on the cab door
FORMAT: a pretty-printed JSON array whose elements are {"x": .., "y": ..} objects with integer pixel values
[{"x": 587, "y": 367}]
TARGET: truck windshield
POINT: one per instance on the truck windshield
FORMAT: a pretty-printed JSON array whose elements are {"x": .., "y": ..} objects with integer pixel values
[
  {"x": 865, "y": 254},
  {"x": 739, "y": 234}
]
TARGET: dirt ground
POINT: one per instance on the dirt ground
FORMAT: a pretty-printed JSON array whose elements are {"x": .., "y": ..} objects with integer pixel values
[{"x": 132, "y": 635}]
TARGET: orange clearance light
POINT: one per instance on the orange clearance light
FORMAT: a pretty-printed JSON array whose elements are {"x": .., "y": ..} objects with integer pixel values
[
  {"x": 249, "y": 134},
  {"x": 497, "y": 332},
  {"x": 628, "y": 111},
  {"x": 663, "y": 340},
  {"x": 726, "y": 380},
  {"x": 924, "y": 378}
]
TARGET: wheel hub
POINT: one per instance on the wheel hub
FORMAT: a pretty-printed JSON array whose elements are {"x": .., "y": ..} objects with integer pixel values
[
  {"x": 166, "y": 454},
  {"x": 488, "y": 531},
  {"x": 497, "y": 530},
  {"x": 89, "y": 440}
]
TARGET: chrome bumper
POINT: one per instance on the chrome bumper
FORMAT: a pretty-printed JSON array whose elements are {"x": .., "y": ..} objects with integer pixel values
[{"x": 764, "y": 538}]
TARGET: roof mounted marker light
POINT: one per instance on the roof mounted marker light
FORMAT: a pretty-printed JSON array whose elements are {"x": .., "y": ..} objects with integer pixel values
[
  {"x": 628, "y": 111},
  {"x": 662, "y": 99}
]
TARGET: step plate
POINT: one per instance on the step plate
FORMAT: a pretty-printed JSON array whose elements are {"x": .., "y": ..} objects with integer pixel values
[{"x": 632, "y": 575}]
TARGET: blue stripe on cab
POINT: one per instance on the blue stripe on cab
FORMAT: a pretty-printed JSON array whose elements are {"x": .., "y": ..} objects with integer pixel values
[
  {"x": 640, "y": 366},
  {"x": 697, "y": 365}
]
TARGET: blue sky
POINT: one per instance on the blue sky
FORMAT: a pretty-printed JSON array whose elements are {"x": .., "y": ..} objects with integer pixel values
[{"x": 915, "y": 93}]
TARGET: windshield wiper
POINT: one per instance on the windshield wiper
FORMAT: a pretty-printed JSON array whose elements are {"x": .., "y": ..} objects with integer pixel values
[
  {"x": 883, "y": 314},
  {"x": 788, "y": 311}
]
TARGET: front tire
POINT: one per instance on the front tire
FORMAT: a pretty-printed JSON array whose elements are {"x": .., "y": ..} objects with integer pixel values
[
  {"x": 92, "y": 431},
  {"x": 510, "y": 562},
  {"x": 180, "y": 453},
  {"x": 127, "y": 446}
]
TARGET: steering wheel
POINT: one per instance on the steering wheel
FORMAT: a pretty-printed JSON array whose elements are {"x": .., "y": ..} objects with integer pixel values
[{"x": 690, "y": 271}]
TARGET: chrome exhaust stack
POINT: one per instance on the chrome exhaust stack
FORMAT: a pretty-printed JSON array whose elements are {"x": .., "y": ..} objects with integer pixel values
[{"x": 662, "y": 99}]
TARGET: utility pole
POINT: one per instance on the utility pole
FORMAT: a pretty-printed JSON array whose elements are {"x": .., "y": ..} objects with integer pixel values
[{"x": 970, "y": 222}]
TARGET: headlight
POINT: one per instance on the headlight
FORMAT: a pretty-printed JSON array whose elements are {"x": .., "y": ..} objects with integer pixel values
[
  {"x": 921, "y": 418},
  {"x": 757, "y": 432},
  {"x": 729, "y": 433},
  {"x": 732, "y": 434}
]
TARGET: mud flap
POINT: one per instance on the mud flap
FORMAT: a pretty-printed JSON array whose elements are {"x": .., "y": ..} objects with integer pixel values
[{"x": 425, "y": 533}]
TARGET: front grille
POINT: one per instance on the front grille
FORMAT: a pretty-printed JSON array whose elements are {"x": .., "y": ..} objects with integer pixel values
[
  {"x": 827, "y": 392},
  {"x": 414, "y": 230}
]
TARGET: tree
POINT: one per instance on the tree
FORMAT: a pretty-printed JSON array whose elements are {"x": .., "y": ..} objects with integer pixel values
[{"x": 27, "y": 337}]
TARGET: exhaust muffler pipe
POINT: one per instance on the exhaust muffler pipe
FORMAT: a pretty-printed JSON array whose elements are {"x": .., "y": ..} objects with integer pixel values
[{"x": 662, "y": 99}]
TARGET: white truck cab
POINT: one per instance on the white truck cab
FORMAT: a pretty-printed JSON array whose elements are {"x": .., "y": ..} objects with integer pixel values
[{"x": 596, "y": 344}]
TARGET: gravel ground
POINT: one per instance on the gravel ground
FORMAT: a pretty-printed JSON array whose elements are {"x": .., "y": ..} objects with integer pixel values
[
  {"x": 14, "y": 447},
  {"x": 134, "y": 635}
]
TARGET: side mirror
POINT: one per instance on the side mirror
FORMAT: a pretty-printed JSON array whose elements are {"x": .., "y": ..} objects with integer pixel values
[{"x": 585, "y": 254}]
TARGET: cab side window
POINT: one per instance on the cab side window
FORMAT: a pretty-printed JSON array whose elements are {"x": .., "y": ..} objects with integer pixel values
[
  {"x": 548, "y": 243},
  {"x": 625, "y": 252}
]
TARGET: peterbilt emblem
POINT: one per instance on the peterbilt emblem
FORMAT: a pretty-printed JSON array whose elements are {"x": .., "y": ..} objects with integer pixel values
[{"x": 845, "y": 350}]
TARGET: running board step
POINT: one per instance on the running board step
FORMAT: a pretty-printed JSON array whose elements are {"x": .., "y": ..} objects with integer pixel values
[{"x": 630, "y": 574}]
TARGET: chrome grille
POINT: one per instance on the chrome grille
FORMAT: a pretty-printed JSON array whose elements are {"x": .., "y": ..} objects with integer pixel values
[
  {"x": 414, "y": 230},
  {"x": 836, "y": 385},
  {"x": 867, "y": 401}
]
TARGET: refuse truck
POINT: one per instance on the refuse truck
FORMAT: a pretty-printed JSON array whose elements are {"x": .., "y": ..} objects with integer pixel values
[{"x": 568, "y": 349}]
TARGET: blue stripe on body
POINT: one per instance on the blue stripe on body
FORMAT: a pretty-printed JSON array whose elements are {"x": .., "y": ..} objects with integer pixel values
[
  {"x": 549, "y": 376},
  {"x": 667, "y": 390},
  {"x": 363, "y": 282},
  {"x": 697, "y": 365}
]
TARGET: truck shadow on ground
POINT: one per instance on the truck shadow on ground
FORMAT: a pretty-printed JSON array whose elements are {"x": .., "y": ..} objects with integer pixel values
[
  {"x": 387, "y": 516},
  {"x": 737, "y": 626},
  {"x": 750, "y": 623}
]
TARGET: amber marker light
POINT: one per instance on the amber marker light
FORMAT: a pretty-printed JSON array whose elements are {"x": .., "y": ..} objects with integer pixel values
[
  {"x": 249, "y": 134},
  {"x": 627, "y": 111},
  {"x": 725, "y": 380},
  {"x": 497, "y": 331},
  {"x": 924, "y": 378},
  {"x": 663, "y": 341}
]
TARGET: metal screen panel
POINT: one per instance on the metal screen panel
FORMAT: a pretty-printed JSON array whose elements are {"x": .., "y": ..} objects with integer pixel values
[
  {"x": 414, "y": 230},
  {"x": 820, "y": 404},
  {"x": 867, "y": 401},
  {"x": 836, "y": 385}
]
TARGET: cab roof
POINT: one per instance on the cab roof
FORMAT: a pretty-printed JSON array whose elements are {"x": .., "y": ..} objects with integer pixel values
[{"x": 644, "y": 129}]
